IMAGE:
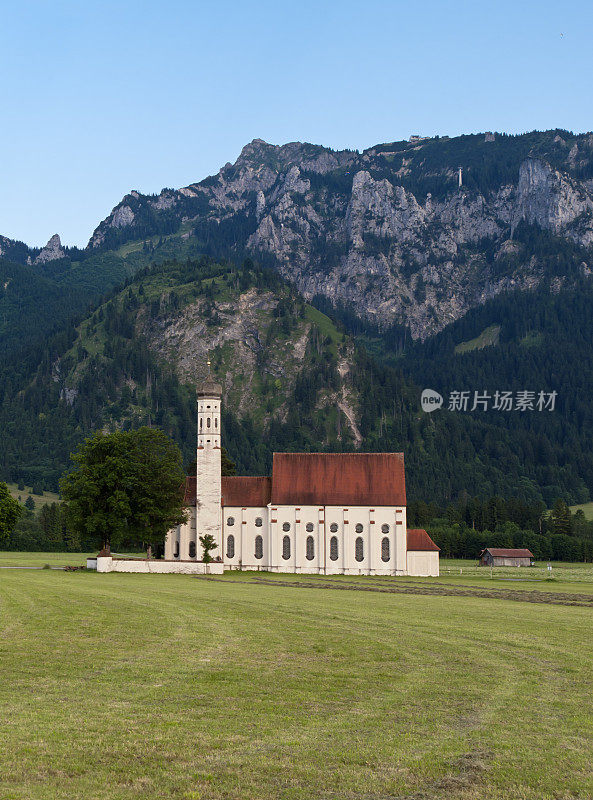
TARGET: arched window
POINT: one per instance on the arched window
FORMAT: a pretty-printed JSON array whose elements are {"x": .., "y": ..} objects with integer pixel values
[
  {"x": 309, "y": 526},
  {"x": 259, "y": 547},
  {"x": 286, "y": 547},
  {"x": 385, "y": 549},
  {"x": 333, "y": 527},
  {"x": 230, "y": 546},
  {"x": 208, "y": 422},
  {"x": 201, "y": 423},
  {"x": 359, "y": 549},
  {"x": 310, "y": 551},
  {"x": 192, "y": 549},
  {"x": 385, "y": 528},
  {"x": 333, "y": 548},
  {"x": 176, "y": 551},
  {"x": 286, "y": 526},
  {"x": 359, "y": 528},
  {"x": 216, "y": 422},
  {"x": 230, "y": 521},
  {"x": 258, "y": 522}
]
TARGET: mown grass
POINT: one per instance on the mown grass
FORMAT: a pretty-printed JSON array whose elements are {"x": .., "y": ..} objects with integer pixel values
[
  {"x": 586, "y": 508},
  {"x": 562, "y": 571},
  {"x": 40, "y": 500},
  {"x": 25, "y": 559},
  {"x": 488, "y": 337},
  {"x": 133, "y": 686}
]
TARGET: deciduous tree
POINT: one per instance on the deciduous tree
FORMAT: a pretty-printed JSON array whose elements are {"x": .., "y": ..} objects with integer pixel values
[
  {"x": 126, "y": 488},
  {"x": 10, "y": 511}
]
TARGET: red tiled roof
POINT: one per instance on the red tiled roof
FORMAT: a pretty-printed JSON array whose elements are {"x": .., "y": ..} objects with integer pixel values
[
  {"x": 240, "y": 492},
  {"x": 418, "y": 539},
  {"x": 339, "y": 479},
  {"x": 189, "y": 498},
  {"x": 235, "y": 491},
  {"x": 509, "y": 552}
]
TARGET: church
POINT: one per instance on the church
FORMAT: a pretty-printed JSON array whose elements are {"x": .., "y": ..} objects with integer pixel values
[{"x": 319, "y": 513}]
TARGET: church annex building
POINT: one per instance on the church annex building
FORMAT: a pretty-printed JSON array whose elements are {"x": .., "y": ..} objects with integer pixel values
[{"x": 319, "y": 513}]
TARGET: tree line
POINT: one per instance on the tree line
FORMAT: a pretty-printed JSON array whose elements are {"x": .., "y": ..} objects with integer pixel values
[{"x": 464, "y": 528}]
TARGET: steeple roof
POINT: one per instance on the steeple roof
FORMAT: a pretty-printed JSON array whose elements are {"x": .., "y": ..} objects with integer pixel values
[{"x": 209, "y": 388}]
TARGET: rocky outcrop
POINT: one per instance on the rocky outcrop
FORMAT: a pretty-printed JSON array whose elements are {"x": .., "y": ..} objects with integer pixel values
[
  {"x": 52, "y": 251},
  {"x": 553, "y": 201},
  {"x": 389, "y": 232}
]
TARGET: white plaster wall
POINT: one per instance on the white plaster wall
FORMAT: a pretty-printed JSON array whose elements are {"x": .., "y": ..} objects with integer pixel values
[
  {"x": 208, "y": 501},
  {"x": 159, "y": 567},
  {"x": 312, "y": 516},
  {"x": 185, "y": 533},
  {"x": 401, "y": 541},
  {"x": 245, "y": 530},
  {"x": 423, "y": 563},
  {"x": 346, "y": 520},
  {"x": 170, "y": 540}
]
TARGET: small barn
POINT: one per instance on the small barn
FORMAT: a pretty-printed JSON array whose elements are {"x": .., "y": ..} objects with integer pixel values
[{"x": 506, "y": 557}]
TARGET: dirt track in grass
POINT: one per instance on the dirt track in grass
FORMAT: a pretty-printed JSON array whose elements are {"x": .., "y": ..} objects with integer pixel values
[{"x": 517, "y": 595}]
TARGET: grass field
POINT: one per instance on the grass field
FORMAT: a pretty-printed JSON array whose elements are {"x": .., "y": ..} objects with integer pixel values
[
  {"x": 488, "y": 337},
  {"x": 40, "y": 500},
  {"x": 254, "y": 686},
  {"x": 24, "y": 559},
  {"x": 586, "y": 508}
]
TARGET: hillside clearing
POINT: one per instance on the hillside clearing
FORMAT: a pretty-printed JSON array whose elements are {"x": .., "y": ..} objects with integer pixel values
[
  {"x": 586, "y": 508},
  {"x": 123, "y": 686},
  {"x": 489, "y": 336},
  {"x": 22, "y": 495}
]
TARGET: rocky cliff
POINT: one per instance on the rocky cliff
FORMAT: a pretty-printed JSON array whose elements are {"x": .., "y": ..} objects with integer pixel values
[{"x": 389, "y": 231}]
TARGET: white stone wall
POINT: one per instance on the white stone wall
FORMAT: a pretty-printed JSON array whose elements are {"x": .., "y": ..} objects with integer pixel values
[
  {"x": 109, "y": 564},
  {"x": 347, "y": 525},
  {"x": 244, "y": 530},
  {"x": 321, "y": 519},
  {"x": 178, "y": 539},
  {"x": 423, "y": 563}
]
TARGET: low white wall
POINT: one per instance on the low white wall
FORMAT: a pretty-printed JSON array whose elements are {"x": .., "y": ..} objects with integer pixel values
[
  {"x": 108, "y": 564},
  {"x": 91, "y": 563},
  {"x": 423, "y": 563}
]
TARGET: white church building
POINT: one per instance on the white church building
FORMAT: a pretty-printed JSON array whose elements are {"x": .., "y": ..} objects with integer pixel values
[{"x": 319, "y": 513}]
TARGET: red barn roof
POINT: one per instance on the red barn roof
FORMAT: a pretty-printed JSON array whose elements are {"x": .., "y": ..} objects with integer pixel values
[
  {"x": 418, "y": 539},
  {"x": 509, "y": 552},
  {"x": 339, "y": 479},
  {"x": 246, "y": 491}
]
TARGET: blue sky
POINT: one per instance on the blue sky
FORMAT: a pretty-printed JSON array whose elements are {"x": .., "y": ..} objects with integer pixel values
[{"x": 97, "y": 98}]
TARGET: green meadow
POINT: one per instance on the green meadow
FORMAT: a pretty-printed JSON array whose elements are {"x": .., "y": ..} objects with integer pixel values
[{"x": 266, "y": 687}]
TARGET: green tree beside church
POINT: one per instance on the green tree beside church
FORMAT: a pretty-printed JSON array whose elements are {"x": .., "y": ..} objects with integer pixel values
[{"x": 125, "y": 489}]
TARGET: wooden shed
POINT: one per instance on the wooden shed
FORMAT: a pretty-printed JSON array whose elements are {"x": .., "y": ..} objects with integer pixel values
[{"x": 506, "y": 557}]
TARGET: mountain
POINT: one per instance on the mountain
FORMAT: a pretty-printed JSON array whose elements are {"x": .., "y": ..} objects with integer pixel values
[
  {"x": 328, "y": 288},
  {"x": 390, "y": 230},
  {"x": 292, "y": 380}
]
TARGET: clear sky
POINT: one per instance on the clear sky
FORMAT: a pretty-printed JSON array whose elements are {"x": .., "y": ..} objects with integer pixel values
[{"x": 97, "y": 98}]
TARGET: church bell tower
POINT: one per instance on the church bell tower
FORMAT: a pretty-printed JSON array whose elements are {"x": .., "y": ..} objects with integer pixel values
[{"x": 208, "y": 494}]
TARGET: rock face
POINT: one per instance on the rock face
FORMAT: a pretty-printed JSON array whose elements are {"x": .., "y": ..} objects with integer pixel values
[
  {"x": 387, "y": 232},
  {"x": 52, "y": 251}
]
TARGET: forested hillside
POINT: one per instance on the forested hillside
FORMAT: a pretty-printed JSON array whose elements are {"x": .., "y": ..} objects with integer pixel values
[
  {"x": 292, "y": 378},
  {"x": 328, "y": 289}
]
